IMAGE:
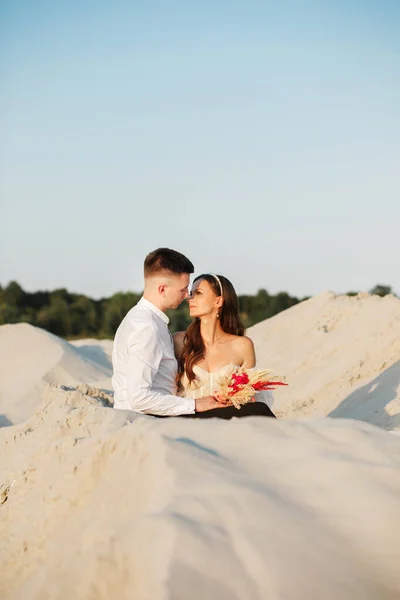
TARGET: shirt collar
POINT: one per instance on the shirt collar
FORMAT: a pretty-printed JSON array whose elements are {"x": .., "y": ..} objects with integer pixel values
[{"x": 157, "y": 311}]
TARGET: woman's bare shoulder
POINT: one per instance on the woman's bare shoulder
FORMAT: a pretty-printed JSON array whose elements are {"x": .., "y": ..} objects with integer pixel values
[
  {"x": 242, "y": 341},
  {"x": 178, "y": 338},
  {"x": 245, "y": 348}
]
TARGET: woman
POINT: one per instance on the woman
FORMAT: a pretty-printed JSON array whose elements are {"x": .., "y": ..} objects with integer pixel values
[{"x": 213, "y": 344}]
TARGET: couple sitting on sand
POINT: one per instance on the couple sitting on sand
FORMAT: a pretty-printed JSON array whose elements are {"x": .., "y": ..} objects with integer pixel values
[{"x": 165, "y": 376}]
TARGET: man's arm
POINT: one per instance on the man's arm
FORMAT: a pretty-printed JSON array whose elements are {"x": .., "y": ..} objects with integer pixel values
[{"x": 144, "y": 358}]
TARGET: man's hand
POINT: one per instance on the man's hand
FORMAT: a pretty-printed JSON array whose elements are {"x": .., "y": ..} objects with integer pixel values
[{"x": 208, "y": 403}]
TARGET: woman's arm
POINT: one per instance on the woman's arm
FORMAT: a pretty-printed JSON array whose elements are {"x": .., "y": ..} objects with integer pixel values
[
  {"x": 178, "y": 338},
  {"x": 245, "y": 350},
  {"x": 250, "y": 362},
  {"x": 248, "y": 353}
]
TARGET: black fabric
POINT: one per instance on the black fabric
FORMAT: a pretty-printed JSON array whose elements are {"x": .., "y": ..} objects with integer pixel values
[{"x": 253, "y": 409}]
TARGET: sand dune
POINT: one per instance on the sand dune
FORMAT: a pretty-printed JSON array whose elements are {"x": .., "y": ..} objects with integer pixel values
[
  {"x": 98, "y": 351},
  {"x": 340, "y": 356},
  {"x": 105, "y": 508},
  {"x": 98, "y": 504},
  {"x": 30, "y": 358}
]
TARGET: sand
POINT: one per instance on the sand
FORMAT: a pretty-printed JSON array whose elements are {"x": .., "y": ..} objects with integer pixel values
[
  {"x": 31, "y": 357},
  {"x": 340, "y": 356},
  {"x": 105, "y": 508},
  {"x": 98, "y": 504}
]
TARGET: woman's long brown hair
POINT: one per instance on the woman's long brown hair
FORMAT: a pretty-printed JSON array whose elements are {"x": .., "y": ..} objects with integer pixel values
[{"x": 193, "y": 345}]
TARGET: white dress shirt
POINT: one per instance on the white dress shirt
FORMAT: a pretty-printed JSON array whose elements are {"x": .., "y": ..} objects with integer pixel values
[{"x": 144, "y": 364}]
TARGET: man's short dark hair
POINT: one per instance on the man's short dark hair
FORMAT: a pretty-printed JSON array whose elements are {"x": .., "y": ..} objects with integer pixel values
[{"x": 165, "y": 260}]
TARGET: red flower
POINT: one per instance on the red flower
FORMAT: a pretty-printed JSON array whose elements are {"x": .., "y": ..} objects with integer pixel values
[
  {"x": 267, "y": 385},
  {"x": 259, "y": 385},
  {"x": 240, "y": 379}
]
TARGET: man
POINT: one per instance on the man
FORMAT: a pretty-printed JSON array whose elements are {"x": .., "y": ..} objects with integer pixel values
[{"x": 144, "y": 363}]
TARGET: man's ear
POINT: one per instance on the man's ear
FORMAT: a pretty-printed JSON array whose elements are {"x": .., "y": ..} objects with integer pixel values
[{"x": 162, "y": 289}]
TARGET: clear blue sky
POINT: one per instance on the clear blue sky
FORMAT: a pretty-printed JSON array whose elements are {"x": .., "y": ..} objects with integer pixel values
[{"x": 262, "y": 139}]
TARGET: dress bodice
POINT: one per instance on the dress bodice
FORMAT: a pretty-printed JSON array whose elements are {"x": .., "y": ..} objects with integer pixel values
[{"x": 206, "y": 384}]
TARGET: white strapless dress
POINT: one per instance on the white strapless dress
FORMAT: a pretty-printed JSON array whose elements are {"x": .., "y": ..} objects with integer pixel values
[{"x": 207, "y": 384}]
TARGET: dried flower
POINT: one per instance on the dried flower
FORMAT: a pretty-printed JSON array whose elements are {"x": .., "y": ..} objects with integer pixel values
[{"x": 241, "y": 384}]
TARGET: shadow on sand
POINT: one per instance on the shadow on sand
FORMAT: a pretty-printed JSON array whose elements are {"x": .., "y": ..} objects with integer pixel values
[
  {"x": 368, "y": 403},
  {"x": 4, "y": 422},
  {"x": 96, "y": 354}
]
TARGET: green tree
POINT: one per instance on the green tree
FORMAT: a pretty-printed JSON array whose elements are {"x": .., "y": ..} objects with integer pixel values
[
  {"x": 281, "y": 302},
  {"x": 179, "y": 319},
  {"x": 115, "y": 310},
  {"x": 83, "y": 317},
  {"x": 76, "y": 315},
  {"x": 13, "y": 294},
  {"x": 381, "y": 290},
  {"x": 8, "y": 313},
  {"x": 28, "y": 315},
  {"x": 55, "y": 317},
  {"x": 62, "y": 294}
]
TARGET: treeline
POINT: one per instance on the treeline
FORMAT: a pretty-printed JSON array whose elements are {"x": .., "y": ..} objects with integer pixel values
[{"x": 77, "y": 316}]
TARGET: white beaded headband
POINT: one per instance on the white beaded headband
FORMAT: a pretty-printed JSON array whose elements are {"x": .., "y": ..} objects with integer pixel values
[{"x": 219, "y": 282}]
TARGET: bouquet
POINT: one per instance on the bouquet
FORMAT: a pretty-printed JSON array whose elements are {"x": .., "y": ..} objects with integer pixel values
[{"x": 241, "y": 384}]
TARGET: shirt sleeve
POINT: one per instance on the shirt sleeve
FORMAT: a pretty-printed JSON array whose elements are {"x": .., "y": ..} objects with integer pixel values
[{"x": 144, "y": 358}]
